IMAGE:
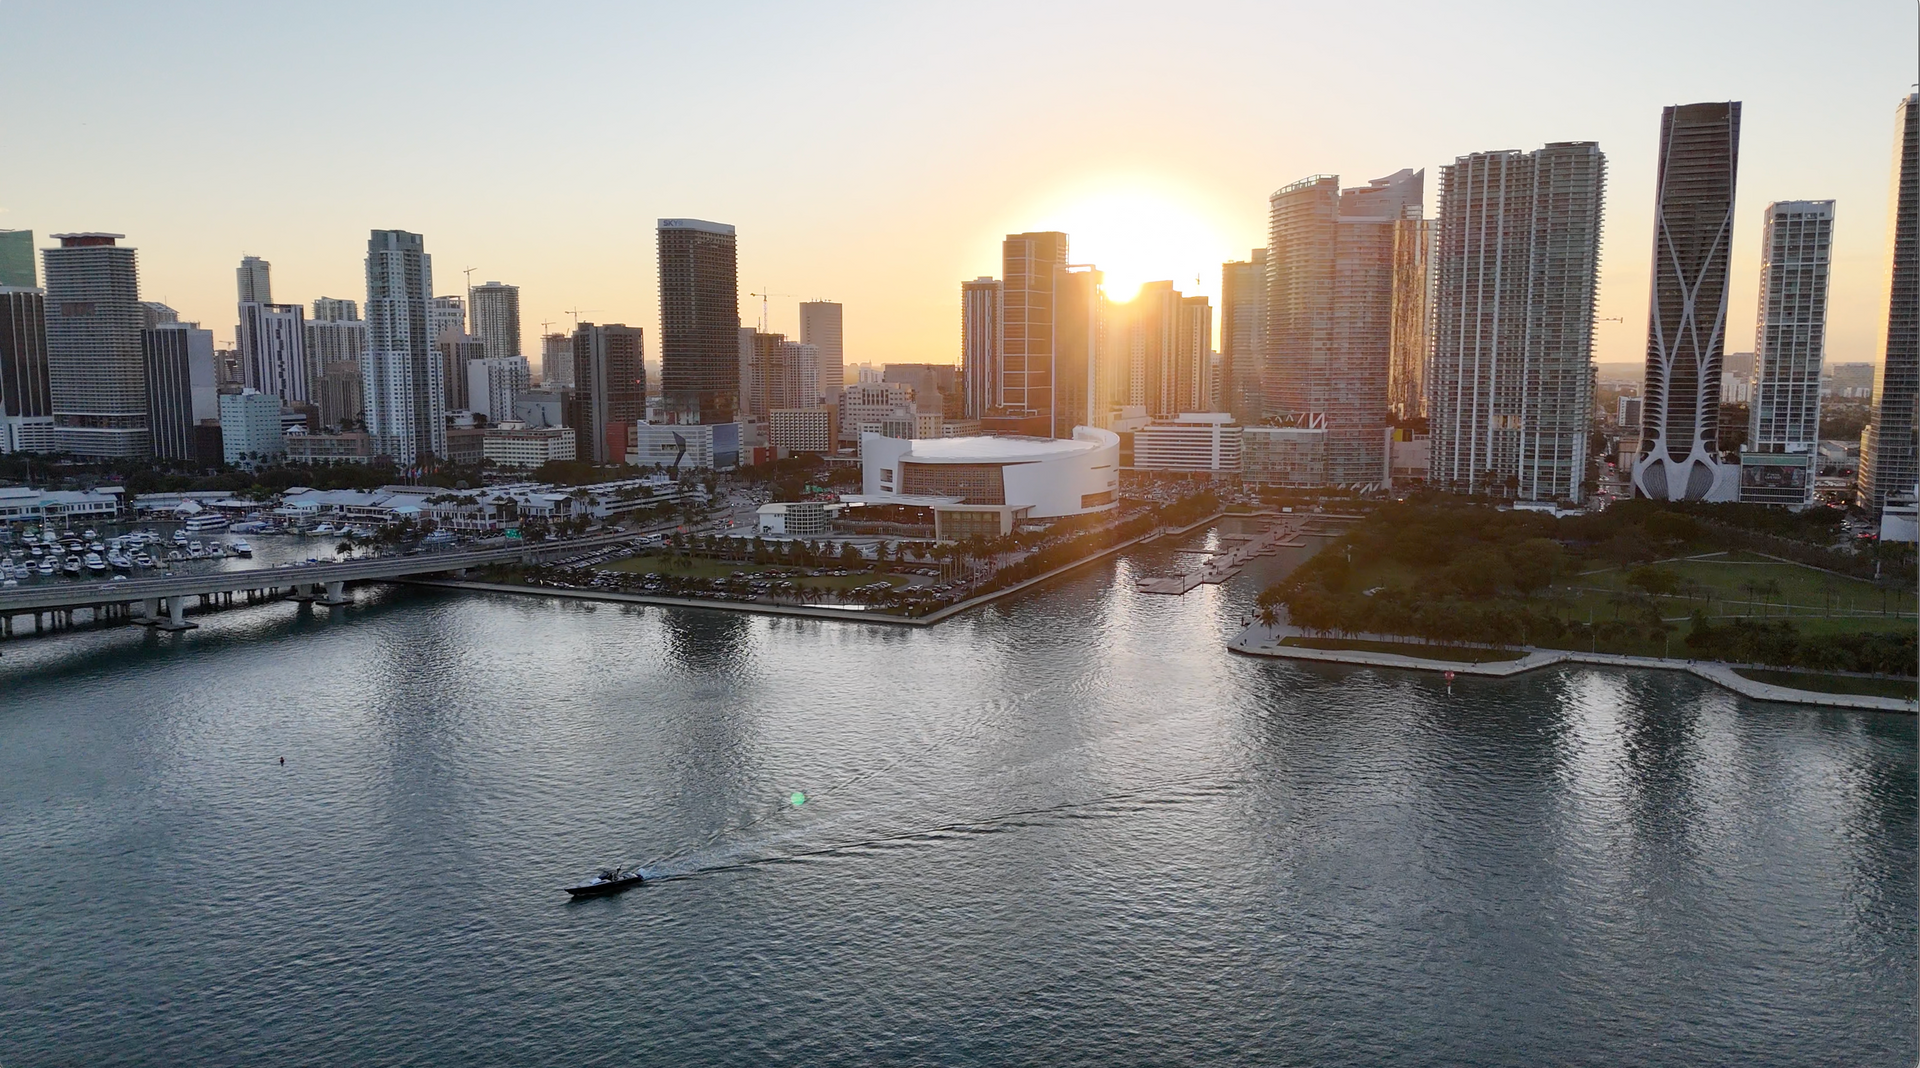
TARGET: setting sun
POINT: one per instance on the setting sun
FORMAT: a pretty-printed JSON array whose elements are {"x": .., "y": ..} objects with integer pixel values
[{"x": 1140, "y": 234}]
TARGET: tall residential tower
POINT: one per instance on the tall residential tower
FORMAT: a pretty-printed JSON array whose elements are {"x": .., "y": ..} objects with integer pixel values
[
  {"x": 1783, "y": 432},
  {"x": 401, "y": 374},
  {"x": 1890, "y": 450},
  {"x": 699, "y": 320},
  {"x": 94, "y": 362}
]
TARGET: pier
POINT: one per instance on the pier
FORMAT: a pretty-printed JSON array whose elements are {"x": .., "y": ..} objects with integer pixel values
[{"x": 1286, "y": 533}]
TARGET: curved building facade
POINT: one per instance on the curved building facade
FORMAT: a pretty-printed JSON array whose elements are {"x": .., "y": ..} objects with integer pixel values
[{"x": 969, "y": 481}]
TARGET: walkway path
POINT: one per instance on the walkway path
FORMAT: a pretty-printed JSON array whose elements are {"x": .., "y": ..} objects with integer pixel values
[{"x": 1259, "y": 640}]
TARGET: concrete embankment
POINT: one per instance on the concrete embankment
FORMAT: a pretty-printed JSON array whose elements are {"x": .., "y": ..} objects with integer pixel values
[{"x": 1258, "y": 640}]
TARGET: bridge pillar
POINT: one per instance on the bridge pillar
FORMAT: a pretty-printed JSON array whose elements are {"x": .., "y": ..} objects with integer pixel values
[
  {"x": 150, "y": 611},
  {"x": 303, "y": 591},
  {"x": 177, "y": 614},
  {"x": 336, "y": 594}
]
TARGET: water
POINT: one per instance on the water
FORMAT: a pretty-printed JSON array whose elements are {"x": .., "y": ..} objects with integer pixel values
[{"x": 1070, "y": 829}]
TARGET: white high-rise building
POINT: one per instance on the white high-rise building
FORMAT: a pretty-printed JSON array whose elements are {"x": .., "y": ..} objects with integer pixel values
[
  {"x": 334, "y": 309},
  {"x": 96, "y": 366},
  {"x": 1796, "y": 249},
  {"x": 272, "y": 339},
  {"x": 448, "y": 315},
  {"x": 820, "y": 327},
  {"x": 1518, "y": 254},
  {"x": 493, "y": 311},
  {"x": 494, "y": 382},
  {"x": 401, "y": 374}
]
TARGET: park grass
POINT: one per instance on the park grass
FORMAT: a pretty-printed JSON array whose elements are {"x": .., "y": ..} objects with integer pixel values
[
  {"x": 1814, "y": 682},
  {"x": 661, "y": 564},
  {"x": 1455, "y": 654},
  {"x": 1806, "y": 593}
]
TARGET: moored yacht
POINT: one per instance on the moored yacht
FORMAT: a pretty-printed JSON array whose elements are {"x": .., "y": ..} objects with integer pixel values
[
  {"x": 241, "y": 548},
  {"x": 95, "y": 564}
]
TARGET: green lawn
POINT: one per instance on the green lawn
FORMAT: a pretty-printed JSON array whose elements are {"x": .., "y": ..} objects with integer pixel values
[
  {"x": 1818, "y": 602},
  {"x": 1458, "y": 654},
  {"x": 662, "y": 564},
  {"x": 1900, "y": 689}
]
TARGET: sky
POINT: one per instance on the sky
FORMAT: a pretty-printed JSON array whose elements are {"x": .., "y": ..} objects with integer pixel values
[{"x": 875, "y": 154}]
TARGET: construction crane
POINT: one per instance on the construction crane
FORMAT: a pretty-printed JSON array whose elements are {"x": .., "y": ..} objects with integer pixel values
[
  {"x": 763, "y": 306},
  {"x": 576, "y": 312}
]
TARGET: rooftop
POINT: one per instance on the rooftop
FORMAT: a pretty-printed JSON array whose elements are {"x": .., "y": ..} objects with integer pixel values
[{"x": 995, "y": 449}]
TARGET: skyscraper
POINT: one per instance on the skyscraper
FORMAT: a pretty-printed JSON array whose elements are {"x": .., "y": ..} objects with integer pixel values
[
  {"x": 1330, "y": 279},
  {"x": 401, "y": 374},
  {"x": 254, "y": 280},
  {"x": 494, "y": 311},
  {"x": 1029, "y": 265},
  {"x": 26, "y": 395},
  {"x": 1687, "y": 320},
  {"x": 610, "y": 388},
  {"x": 95, "y": 370},
  {"x": 1517, "y": 259},
  {"x": 1080, "y": 328},
  {"x": 820, "y": 327},
  {"x": 980, "y": 345},
  {"x": 272, "y": 339},
  {"x": 493, "y": 383},
  {"x": 181, "y": 389},
  {"x": 1413, "y": 283},
  {"x": 16, "y": 259},
  {"x": 1796, "y": 250},
  {"x": 699, "y": 320},
  {"x": 778, "y": 374},
  {"x": 1243, "y": 335},
  {"x": 455, "y": 352},
  {"x": 556, "y": 360},
  {"x": 1889, "y": 452},
  {"x": 336, "y": 344}
]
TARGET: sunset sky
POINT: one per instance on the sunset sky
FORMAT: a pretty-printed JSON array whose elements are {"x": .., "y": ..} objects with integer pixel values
[{"x": 875, "y": 154}]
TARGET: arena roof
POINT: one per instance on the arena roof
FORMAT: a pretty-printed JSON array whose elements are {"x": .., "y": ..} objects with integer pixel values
[{"x": 994, "y": 450}]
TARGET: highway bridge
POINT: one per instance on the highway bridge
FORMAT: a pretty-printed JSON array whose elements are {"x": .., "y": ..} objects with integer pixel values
[{"x": 162, "y": 601}]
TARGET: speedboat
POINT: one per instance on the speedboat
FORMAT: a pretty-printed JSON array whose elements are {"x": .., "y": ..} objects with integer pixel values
[
  {"x": 97, "y": 546},
  {"x": 179, "y": 537},
  {"x": 95, "y": 564},
  {"x": 71, "y": 567},
  {"x": 324, "y": 530},
  {"x": 607, "y": 881},
  {"x": 241, "y": 548},
  {"x": 175, "y": 554},
  {"x": 46, "y": 567},
  {"x": 143, "y": 560},
  {"x": 119, "y": 561},
  {"x": 89, "y": 533}
]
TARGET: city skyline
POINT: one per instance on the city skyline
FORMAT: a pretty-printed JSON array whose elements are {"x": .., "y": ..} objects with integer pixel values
[{"x": 1103, "y": 175}]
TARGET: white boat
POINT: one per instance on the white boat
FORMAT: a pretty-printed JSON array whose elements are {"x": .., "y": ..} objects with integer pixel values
[
  {"x": 324, "y": 530},
  {"x": 241, "y": 548},
  {"x": 46, "y": 567},
  {"x": 89, "y": 534},
  {"x": 180, "y": 537},
  {"x": 206, "y": 521},
  {"x": 119, "y": 561},
  {"x": 143, "y": 560},
  {"x": 95, "y": 564},
  {"x": 175, "y": 554},
  {"x": 97, "y": 547},
  {"x": 71, "y": 567}
]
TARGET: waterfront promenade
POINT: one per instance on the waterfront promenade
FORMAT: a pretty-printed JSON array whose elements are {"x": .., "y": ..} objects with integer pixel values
[{"x": 1260, "y": 640}]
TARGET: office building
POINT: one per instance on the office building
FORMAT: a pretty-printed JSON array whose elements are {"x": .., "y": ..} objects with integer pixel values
[
  {"x": 1243, "y": 336},
  {"x": 980, "y": 315},
  {"x": 153, "y": 313},
  {"x": 1083, "y": 391},
  {"x": 932, "y": 383},
  {"x": 26, "y": 393},
  {"x": 251, "y": 431},
  {"x": 684, "y": 446},
  {"x": 448, "y": 315},
  {"x": 871, "y": 404},
  {"x": 272, "y": 339},
  {"x": 493, "y": 313},
  {"x": 556, "y": 360},
  {"x": 96, "y": 372},
  {"x": 517, "y": 445},
  {"x": 335, "y": 309},
  {"x": 1030, "y": 264},
  {"x": 1628, "y": 414},
  {"x": 1517, "y": 261},
  {"x": 1687, "y": 319},
  {"x": 182, "y": 389},
  {"x": 1889, "y": 450},
  {"x": 16, "y": 260},
  {"x": 493, "y": 384},
  {"x": 544, "y": 407},
  {"x": 1330, "y": 306},
  {"x": 1796, "y": 250},
  {"x": 255, "y": 280},
  {"x": 820, "y": 326},
  {"x": 1206, "y": 443},
  {"x": 404, "y": 393},
  {"x": 699, "y": 320},
  {"x": 610, "y": 388}
]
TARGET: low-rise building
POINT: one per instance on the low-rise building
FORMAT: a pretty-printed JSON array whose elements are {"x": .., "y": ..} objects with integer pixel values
[
  {"x": 519, "y": 445},
  {"x": 1409, "y": 456},
  {"x": 797, "y": 519},
  {"x": 26, "y": 504},
  {"x": 1193, "y": 442},
  {"x": 350, "y": 448},
  {"x": 466, "y": 445},
  {"x": 685, "y": 446},
  {"x": 1284, "y": 455}
]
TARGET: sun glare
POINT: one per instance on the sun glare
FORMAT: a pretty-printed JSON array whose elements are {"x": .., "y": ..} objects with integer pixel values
[{"x": 1140, "y": 235}]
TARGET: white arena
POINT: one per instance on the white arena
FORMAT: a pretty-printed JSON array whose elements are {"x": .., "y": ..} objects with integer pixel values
[{"x": 980, "y": 486}]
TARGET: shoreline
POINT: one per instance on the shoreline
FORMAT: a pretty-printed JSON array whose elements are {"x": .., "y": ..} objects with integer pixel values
[
  {"x": 1260, "y": 641},
  {"x": 822, "y": 612}
]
